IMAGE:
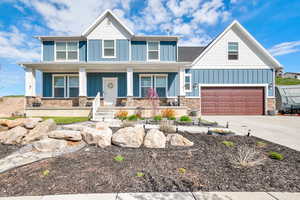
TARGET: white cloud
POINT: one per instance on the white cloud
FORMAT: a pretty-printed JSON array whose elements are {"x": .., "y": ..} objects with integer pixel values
[
  {"x": 184, "y": 7},
  {"x": 285, "y": 48},
  {"x": 202, "y": 40}
]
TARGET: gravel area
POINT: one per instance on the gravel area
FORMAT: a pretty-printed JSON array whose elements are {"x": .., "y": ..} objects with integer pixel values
[{"x": 206, "y": 166}]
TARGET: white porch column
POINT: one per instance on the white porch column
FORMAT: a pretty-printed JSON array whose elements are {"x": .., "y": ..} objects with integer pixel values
[
  {"x": 30, "y": 82},
  {"x": 129, "y": 82},
  {"x": 82, "y": 82},
  {"x": 181, "y": 73}
]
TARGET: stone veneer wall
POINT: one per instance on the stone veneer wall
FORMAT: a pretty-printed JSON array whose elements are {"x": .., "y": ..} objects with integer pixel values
[{"x": 271, "y": 104}]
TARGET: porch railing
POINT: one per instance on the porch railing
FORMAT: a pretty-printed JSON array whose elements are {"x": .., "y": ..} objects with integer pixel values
[{"x": 96, "y": 105}]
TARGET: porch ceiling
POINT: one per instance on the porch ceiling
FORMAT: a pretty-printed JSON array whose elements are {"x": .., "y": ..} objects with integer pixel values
[{"x": 104, "y": 66}]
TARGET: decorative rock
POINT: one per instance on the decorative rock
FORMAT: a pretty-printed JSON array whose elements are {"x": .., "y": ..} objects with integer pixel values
[
  {"x": 12, "y": 123},
  {"x": 167, "y": 126},
  {"x": 102, "y": 126},
  {"x": 73, "y": 127},
  {"x": 3, "y": 128},
  {"x": 155, "y": 139},
  {"x": 129, "y": 137},
  {"x": 49, "y": 145},
  {"x": 65, "y": 134},
  {"x": 179, "y": 140},
  {"x": 30, "y": 123},
  {"x": 13, "y": 136},
  {"x": 100, "y": 137},
  {"x": 40, "y": 131}
]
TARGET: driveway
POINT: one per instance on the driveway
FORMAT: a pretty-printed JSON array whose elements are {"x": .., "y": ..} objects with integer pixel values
[{"x": 284, "y": 130}]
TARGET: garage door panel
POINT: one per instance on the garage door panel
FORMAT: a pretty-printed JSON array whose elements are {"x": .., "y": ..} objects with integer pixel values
[{"x": 232, "y": 100}]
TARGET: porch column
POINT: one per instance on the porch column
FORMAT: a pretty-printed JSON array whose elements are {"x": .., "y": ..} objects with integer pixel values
[
  {"x": 30, "y": 82},
  {"x": 129, "y": 82},
  {"x": 82, "y": 82},
  {"x": 181, "y": 73}
]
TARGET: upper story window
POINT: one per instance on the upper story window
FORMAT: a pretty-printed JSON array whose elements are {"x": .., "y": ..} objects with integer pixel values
[
  {"x": 188, "y": 82},
  {"x": 109, "y": 48},
  {"x": 66, "y": 51},
  {"x": 233, "y": 51},
  {"x": 153, "y": 51}
]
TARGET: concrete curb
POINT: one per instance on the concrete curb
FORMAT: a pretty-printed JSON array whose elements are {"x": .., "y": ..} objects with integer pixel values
[{"x": 168, "y": 196}]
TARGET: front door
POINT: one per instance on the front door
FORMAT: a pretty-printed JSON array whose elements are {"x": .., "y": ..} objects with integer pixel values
[{"x": 110, "y": 91}]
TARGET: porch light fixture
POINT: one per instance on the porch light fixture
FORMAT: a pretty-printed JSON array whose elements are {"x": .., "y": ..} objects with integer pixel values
[
  {"x": 195, "y": 85},
  {"x": 270, "y": 85}
]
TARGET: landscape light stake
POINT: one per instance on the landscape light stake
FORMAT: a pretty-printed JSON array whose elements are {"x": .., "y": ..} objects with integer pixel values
[
  {"x": 227, "y": 125},
  {"x": 249, "y": 132},
  {"x": 176, "y": 129}
]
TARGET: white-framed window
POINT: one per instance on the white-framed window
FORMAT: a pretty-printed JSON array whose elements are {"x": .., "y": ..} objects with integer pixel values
[
  {"x": 66, "y": 51},
  {"x": 153, "y": 50},
  {"x": 188, "y": 82},
  {"x": 158, "y": 82},
  {"x": 233, "y": 50},
  {"x": 65, "y": 86},
  {"x": 109, "y": 49}
]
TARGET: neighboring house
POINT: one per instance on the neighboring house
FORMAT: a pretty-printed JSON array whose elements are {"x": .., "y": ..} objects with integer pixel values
[
  {"x": 233, "y": 75},
  {"x": 295, "y": 75}
]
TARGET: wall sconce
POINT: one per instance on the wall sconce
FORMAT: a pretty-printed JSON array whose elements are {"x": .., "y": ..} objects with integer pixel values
[
  {"x": 270, "y": 85},
  {"x": 195, "y": 85}
]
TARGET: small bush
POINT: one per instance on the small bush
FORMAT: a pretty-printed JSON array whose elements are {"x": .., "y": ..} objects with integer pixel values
[
  {"x": 140, "y": 174},
  {"x": 181, "y": 170},
  {"x": 168, "y": 113},
  {"x": 172, "y": 118},
  {"x": 119, "y": 158},
  {"x": 157, "y": 118},
  {"x": 261, "y": 144},
  {"x": 246, "y": 156},
  {"x": 167, "y": 126},
  {"x": 132, "y": 118},
  {"x": 185, "y": 119},
  {"x": 228, "y": 143},
  {"x": 275, "y": 155},
  {"x": 46, "y": 172},
  {"x": 122, "y": 115}
]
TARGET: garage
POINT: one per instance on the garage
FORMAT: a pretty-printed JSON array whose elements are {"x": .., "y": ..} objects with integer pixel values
[{"x": 232, "y": 100}]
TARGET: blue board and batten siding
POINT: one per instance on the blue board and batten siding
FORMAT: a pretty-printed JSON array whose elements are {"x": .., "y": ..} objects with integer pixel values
[
  {"x": 230, "y": 76},
  {"x": 48, "y": 50},
  {"x": 95, "y": 81},
  {"x": 138, "y": 50},
  {"x": 82, "y": 51},
  {"x": 95, "y": 51}
]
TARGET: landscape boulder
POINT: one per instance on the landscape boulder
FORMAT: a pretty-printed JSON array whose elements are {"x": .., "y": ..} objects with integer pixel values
[
  {"x": 73, "y": 127},
  {"x": 40, "y": 131},
  {"x": 12, "y": 123},
  {"x": 155, "y": 139},
  {"x": 102, "y": 138},
  {"x": 66, "y": 135},
  {"x": 102, "y": 125},
  {"x": 13, "y": 136},
  {"x": 50, "y": 145},
  {"x": 129, "y": 137},
  {"x": 30, "y": 123},
  {"x": 3, "y": 128},
  {"x": 179, "y": 140}
]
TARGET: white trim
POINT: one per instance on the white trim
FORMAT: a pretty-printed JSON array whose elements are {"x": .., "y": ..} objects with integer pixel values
[
  {"x": 181, "y": 74},
  {"x": 235, "y": 22},
  {"x": 109, "y": 78},
  {"x": 82, "y": 82},
  {"x": 190, "y": 75},
  {"x": 147, "y": 57},
  {"x": 100, "y": 18},
  {"x": 66, "y": 41},
  {"x": 115, "y": 48},
  {"x": 129, "y": 75},
  {"x": 152, "y": 83},
  {"x": 42, "y": 51},
  {"x": 129, "y": 53},
  {"x": 231, "y": 67}
]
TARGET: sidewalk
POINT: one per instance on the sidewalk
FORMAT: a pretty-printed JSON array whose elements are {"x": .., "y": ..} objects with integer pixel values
[{"x": 168, "y": 196}]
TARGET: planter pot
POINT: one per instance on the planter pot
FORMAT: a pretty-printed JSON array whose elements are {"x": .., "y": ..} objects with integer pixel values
[{"x": 216, "y": 133}]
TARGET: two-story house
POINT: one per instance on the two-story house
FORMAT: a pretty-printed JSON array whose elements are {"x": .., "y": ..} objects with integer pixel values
[{"x": 234, "y": 74}]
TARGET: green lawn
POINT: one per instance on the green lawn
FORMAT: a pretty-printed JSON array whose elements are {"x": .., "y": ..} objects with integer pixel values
[
  {"x": 287, "y": 81},
  {"x": 62, "y": 120},
  {"x": 12, "y": 96}
]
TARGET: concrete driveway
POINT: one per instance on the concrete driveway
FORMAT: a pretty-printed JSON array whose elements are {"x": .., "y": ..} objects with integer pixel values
[{"x": 284, "y": 130}]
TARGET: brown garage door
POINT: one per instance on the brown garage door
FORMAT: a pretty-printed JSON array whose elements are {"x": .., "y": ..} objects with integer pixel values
[{"x": 232, "y": 101}]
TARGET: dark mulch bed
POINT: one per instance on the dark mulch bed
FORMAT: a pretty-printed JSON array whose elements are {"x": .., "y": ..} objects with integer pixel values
[
  {"x": 6, "y": 150},
  {"x": 207, "y": 169}
]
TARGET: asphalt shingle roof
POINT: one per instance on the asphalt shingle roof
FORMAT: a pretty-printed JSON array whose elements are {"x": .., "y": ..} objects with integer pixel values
[{"x": 189, "y": 54}]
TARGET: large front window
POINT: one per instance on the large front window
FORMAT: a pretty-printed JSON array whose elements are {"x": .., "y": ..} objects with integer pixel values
[
  {"x": 109, "y": 48},
  {"x": 153, "y": 51},
  {"x": 66, "y": 51},
  {"x": 65, "y": 86},
  {"x": 158, "y": 83}
]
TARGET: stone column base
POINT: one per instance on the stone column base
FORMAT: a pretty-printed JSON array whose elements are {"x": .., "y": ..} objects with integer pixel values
[
  {"x": 82, "y": 101},
  {"x": 31, "y": 100},
  {"x": 271, "y": 105}
]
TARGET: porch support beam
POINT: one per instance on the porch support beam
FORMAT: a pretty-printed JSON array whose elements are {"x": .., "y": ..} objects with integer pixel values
[
  {"x": 82, "y": 82},
  {"x": 181, "y": 73},
  {"x": 129, "y": 82},
  {"x": 30, "y": 82}
]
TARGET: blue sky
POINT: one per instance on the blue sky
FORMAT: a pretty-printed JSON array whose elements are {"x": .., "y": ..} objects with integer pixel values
[{"x": 274, "y": 23}]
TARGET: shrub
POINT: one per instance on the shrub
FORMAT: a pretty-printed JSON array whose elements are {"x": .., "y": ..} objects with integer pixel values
[
  {"x": 132, "y": 118},
  {"x": 140, "y": 174},
  {"x": 181, "y": 170},
  {"x": 157, "y": 118},
  {"x": 247, "y": 157},
  {"x": 185, "y": 119},
  {"x": 172, "y": 118},
  {"x": 167, "y": 126},
  {"x": 168, "y": 113},
  {"x": 119, "y": 158},
  {"x": 46, "y": 172},
  {"x": 261, "y": 144},
  {"x": 121, "y": 115},
  {"x": 275, "y": 155},
  {"x": 228, "y": 143}
]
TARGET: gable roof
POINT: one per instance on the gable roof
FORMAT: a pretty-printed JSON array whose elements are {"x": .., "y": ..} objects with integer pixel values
[
  {"x": 276, "y": 65},
  {"x": 101, "y": 18},
  {"x": 189, "y": 54}
]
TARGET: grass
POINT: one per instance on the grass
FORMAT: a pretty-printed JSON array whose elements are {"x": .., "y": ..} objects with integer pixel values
[
  {"x": 287, "y": 81},
  {"x": 60, "y": 120}
]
